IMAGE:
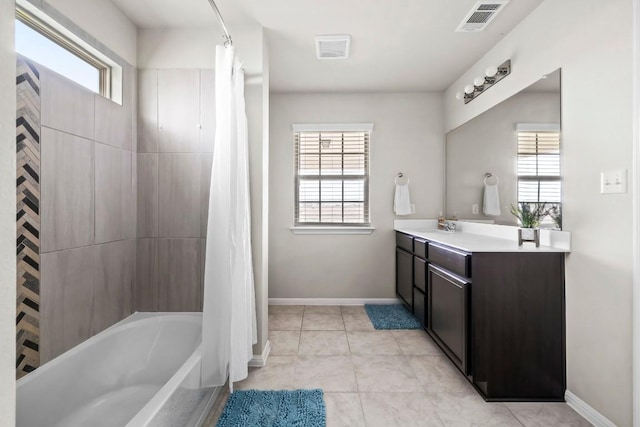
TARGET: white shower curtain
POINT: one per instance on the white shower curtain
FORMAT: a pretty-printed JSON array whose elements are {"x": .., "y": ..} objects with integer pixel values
[{"x": 229, "y": 315}]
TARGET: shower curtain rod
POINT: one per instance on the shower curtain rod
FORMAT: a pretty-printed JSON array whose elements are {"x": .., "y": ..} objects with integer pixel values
[{"x": 227, "y": 37}]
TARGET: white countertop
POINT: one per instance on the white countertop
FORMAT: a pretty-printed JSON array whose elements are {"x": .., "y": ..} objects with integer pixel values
[{"x": 472, "y": 242}]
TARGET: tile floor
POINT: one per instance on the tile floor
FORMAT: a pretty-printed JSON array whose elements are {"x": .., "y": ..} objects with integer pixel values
[{"x": 380, "y": 378}]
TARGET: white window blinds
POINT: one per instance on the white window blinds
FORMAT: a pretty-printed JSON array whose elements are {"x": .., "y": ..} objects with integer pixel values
[
  {"x": 332, "y": 178},
  {"x": 539, "y": 179}
]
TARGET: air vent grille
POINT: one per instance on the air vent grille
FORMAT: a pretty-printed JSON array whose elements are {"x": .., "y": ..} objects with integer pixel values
[
  {"x": 490, "y": 6},
  {"x": 481, "y": 15},
  {"x": 333, "y": 47}
]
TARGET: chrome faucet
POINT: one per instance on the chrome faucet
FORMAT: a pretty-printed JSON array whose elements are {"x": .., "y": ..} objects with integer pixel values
[{"x": 449, "y": 226}]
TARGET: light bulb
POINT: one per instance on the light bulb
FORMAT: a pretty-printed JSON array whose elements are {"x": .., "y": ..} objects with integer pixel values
[
  {"x": 491, "y": 71},
  {"x": 478, "y": 81},
  {"x": 459, "y": 96},
  {"x": 469, "y": 89}
]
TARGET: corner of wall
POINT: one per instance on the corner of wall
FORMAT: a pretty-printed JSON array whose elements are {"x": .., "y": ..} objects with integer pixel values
[{"x": 7, "y": 213}]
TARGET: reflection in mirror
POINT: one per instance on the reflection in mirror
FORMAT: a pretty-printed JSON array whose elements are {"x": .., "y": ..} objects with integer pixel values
[{"x": 508, "y": 155}]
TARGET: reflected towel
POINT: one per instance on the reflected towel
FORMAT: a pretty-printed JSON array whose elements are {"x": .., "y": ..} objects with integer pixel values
[
  {"x": 402, "y": 200},
  {"x": 491, "y": 203}
]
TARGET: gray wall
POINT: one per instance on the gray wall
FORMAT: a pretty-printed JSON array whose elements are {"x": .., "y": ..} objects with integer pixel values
[
  {"x": 176, "y": 122},
  {"x": 408, "y": 137},
  {"x": 488, "y": 143},
  {"x": 7, "y": 214},
  {"x": 88, "y": 185},
  {"x": 587, "y": 39}
]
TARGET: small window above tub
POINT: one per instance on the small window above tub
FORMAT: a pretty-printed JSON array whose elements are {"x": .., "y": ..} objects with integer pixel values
[{"x": 48, "y": 43}]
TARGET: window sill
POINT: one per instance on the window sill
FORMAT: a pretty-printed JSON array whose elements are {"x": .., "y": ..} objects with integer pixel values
[{"x": 331, "y": 230}]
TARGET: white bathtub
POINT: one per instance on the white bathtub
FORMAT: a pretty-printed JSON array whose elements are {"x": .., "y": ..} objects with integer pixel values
[{"x": 143, "y": 371}]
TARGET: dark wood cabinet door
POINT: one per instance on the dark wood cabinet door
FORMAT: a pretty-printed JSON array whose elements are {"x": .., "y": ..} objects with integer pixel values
[
  {"x": 419, "y": 306},
  {"x": 448, "y": 308},
  {"x": 404, "y": 276}
]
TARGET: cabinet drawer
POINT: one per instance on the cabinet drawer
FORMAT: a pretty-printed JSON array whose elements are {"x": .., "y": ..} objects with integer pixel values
[
  {"x": 420, "y": 273},
  {"x": 455, "y": 261},
  {"x": 419, "y": 306},
  {"x": 420, "y": 248},
  {"x": 404, "y": 241}
]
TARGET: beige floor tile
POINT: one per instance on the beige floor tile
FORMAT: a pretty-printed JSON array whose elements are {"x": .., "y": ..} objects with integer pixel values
[
  {"x": 322, "y": 309},
  {"x": 291, "y": 309},
  {"x": 466, "y": 409},
  {"x": 344, "y": 410},
  {"x": 323, "y": 343},
  {"x": 385, "y": 374},
  {"x": 399, "y": 409},
  {"x": 284, "y": 343},
  {"x": 330, "y": 373},
  {"x": 437, "y": 373},
  {"x": 373, "y": 342},
  {"x": 357, "y": 322},
  {"x": 353, "y": 309},
  {"x": 285, "y": 322},
  {"x": 416, "y": 343},
  {"x": 547, "y": 414},
  {"x": 322, "y": 322},
  {"x": 276, "y": 375}
]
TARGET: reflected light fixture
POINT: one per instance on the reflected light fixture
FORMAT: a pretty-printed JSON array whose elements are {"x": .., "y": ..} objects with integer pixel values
[
  {"x": 492, "y": 75},
  {"x": 325, "y": 143}
]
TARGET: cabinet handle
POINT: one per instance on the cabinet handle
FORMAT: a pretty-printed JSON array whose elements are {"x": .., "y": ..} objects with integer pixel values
[
  {"x": 444, "y": 248},
  {"x": 160, "y": 127}
]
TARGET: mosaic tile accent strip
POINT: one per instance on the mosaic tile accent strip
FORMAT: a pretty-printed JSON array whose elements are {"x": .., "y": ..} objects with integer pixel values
[{"x": 28, "y": 217}]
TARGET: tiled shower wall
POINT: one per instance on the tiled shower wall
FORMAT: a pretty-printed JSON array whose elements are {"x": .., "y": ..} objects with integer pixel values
[
  {"x": 176, "y": 126},
  {"x": 88, "y": 210}
]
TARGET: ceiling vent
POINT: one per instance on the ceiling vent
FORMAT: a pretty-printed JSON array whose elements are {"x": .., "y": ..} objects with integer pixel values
[
  {"x": 333, "y": 47},
  {"x": 480, "y": 16}
]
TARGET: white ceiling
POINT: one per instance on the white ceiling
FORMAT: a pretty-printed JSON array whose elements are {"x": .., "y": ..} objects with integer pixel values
[{"x": 396, "y": 45}]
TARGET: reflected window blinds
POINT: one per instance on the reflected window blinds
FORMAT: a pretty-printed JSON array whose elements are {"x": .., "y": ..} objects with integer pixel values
[
  {"x": 539, "y": 179},
  {"x": 332, "y": 178}
]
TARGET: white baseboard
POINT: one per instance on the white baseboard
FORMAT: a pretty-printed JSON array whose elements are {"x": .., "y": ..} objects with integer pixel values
[
  {"x": 332, "y": 301},
  {"x": 260, "y": 360},
  {"x": 584, "y": 409}
]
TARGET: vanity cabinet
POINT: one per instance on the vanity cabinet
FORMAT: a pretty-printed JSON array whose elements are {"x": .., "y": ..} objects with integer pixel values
[{"x": 498, "y": 315}]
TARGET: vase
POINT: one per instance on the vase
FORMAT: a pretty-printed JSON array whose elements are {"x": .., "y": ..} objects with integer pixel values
[{"x": 529, "y": 235}]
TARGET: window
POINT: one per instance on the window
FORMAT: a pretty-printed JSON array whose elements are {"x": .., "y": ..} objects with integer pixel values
[
  {"x": 332, "y": 175},
  {"x": 40, "y": 42},
  {"x": 539, "y": 179}
]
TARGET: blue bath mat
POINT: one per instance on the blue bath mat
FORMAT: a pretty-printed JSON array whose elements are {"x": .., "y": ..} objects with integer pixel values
[
  {"x": 392, "y": 316},
  {"x": 269, "y": 408}
]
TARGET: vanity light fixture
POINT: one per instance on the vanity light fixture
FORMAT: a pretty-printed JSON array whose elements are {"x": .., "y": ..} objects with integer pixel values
[{"x": 492, "y": 75}]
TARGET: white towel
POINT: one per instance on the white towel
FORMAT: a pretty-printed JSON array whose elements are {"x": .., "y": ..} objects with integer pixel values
[
  {"x": 402, "y": 200},
  {"x": 491, "y": 203}
]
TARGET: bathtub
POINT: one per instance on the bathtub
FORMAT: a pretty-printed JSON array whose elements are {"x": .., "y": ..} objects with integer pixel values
[{"x": 142, "y": 371}]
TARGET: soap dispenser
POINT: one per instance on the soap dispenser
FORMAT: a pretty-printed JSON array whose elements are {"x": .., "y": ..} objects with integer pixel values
[{"x": 441, "y": 222}]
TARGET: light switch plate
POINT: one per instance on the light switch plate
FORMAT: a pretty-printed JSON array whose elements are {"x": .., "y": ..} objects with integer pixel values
[{"x": 613, "y": 182}]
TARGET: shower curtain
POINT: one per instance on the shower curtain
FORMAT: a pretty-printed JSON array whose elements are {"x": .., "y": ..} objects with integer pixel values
[{"x": 229, "y": 316}]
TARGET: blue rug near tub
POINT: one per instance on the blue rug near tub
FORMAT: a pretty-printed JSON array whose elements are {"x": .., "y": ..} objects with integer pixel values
[
  {"x": 391, "y": 316},
  {"x": 270, "y": 408}
]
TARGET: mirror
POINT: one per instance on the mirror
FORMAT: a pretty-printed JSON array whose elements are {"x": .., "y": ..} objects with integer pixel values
[{"x": 512, "y": 150}]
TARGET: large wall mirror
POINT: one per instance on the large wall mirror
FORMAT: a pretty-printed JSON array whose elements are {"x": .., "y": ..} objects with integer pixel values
[{"x": 508, "y": 155}]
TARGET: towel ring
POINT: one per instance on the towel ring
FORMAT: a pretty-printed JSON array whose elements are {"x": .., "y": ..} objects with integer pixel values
[
  {"x": 488, "y": 176},
  {"x": 398, "y": 180}
]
